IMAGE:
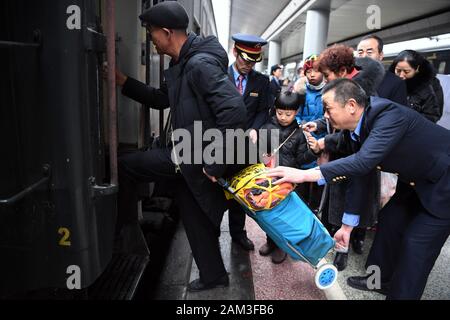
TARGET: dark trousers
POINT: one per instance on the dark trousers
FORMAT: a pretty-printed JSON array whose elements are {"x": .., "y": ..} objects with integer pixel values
[
  {"x": 310, "y": 193},
  {"x": 236, "y": 214},
  {"x": 236, "y": 219},
  {"x": 357, "y": 233},
  {"x": 156, "y": 165},
  {"x": 407, "y": 243}
]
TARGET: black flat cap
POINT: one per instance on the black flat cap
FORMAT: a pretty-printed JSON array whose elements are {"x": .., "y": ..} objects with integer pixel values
[
  {"x": 275, "y": 68},
  {"x": 167, "y": 14}
]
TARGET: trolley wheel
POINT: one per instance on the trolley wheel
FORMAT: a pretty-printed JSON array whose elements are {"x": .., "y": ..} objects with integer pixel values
[{"x": 326, "y": 276}]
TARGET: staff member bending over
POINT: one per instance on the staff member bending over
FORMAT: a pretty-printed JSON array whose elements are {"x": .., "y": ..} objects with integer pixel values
[{"x": 415, "y": 224}]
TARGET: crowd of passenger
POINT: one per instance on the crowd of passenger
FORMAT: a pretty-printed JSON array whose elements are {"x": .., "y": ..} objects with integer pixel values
[{"x": 201, "y": 85}]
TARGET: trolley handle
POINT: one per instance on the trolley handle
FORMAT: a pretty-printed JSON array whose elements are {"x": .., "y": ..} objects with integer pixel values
[{"x": 223, "y": 183}]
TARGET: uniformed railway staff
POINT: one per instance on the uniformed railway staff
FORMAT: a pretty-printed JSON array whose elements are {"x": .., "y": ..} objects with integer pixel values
[{"x": 254, "y": 87}]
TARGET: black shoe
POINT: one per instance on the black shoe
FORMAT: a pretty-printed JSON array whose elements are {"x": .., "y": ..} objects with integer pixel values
[
  {"x": 360, "y": 283},
  {"x": 198, "y": 285},
  {"x": 244, "y": 242},
  {"x": 267, "y": 249},
  {"x": 357, "y": 246},
  {"x": 278, "y": 256},
  {"x": 340, "y": 260}
]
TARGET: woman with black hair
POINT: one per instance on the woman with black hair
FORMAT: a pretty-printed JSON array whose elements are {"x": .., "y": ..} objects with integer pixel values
[{"x": 425, "y": 93}]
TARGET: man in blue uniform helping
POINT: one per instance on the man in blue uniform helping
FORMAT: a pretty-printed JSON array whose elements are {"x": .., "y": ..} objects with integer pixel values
[
  {"x": 415, "y": 223},
  {"x": 254, "y": 88}
]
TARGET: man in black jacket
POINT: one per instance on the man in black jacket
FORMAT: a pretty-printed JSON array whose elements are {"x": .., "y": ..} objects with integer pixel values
[
  {"x": 392, "y": 87},
  {"x": 197, "y": 89},
  {"x": 254, "y": 87},
  {"x": 276, "y": 72},
  {"x": 415, "y": 223}
]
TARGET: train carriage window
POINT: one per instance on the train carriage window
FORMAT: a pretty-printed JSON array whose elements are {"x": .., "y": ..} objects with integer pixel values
[{"x": 441, "y": 68}]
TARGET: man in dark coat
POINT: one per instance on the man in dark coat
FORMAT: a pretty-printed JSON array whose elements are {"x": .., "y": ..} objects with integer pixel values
[
  {"x": 415, "y": 224},
  {"x": 391, "y": 87},
  {"x": 276, "y": 72},
  {"x": 342, "y": 202},
  {"x": 197, "y": 89},
  {"x": 254, "y": 87}
]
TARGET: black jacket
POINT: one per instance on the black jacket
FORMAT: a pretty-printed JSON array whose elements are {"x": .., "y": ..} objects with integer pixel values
[
  {"x": 275, "y": 88},
  {"x": 395, "y": 139},
  {"x": 295, "y": 152},
  {"x": 393, "y": 88},
  {"x": 348, "y": 196},
  {"x": 256, "y": 98},
  {"x": 197, "y": 88},
  {"x": 370, "y": 76},
  {"x": 425, "y": 93}
]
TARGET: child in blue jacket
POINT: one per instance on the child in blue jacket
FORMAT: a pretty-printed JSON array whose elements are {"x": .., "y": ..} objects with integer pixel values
[{"x": 311, "y": 110}]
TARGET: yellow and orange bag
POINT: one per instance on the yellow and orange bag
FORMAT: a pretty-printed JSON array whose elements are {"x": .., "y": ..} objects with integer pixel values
[{"x": 256, "y": 190}]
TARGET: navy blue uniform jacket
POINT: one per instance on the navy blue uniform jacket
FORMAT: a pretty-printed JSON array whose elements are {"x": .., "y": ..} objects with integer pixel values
[
  {"x": 275, "y": 88},
  {"x": 256, "y": 98},
  {"x": 399, "y": 140}
]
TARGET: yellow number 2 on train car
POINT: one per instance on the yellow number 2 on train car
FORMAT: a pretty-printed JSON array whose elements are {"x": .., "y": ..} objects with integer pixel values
[{"x": 64, "y": 242}]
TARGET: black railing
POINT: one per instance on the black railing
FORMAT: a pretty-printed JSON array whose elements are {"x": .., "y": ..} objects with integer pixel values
[{"x": 19, "y": 196}]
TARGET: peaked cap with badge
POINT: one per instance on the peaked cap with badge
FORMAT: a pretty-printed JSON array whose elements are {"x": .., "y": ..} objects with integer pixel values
[{"x": 249, "y": 47}]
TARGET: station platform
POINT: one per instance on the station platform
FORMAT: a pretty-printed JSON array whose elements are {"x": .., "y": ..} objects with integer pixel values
[{"x": 254, "y": 277}]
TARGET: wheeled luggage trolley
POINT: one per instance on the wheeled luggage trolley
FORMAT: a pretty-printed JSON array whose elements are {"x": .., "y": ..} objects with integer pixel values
[{"x": 294, "y": 228}]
